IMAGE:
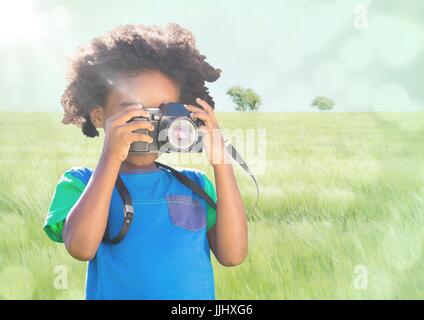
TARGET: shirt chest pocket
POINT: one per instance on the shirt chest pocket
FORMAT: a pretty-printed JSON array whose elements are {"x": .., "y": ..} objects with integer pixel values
[{"x": 186, "y": 212}]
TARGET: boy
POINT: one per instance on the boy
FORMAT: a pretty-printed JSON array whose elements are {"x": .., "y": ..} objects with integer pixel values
[{"x": 166, "y": 251}]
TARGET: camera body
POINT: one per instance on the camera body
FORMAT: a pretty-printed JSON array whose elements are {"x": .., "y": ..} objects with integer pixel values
[{"x": 174, "y": 131}]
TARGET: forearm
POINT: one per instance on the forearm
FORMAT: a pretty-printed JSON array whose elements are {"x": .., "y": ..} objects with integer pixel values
[
  {"x": 231, "y": 226},
  {"x": 228, "y": 238},
  {"x": 86, "y": 223}
]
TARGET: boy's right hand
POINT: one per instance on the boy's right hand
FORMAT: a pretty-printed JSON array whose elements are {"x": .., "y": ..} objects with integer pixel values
[{"x": 119, "y": 134}]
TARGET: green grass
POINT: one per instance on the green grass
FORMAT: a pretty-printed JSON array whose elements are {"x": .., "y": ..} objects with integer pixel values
[{"x": 340, "y": 190}]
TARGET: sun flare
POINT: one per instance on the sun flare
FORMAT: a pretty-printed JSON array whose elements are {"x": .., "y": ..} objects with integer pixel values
[{"x": 18, "y": 20}]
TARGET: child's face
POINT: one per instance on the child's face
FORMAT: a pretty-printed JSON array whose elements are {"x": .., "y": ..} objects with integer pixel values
[{"x": 151, "y": 89}]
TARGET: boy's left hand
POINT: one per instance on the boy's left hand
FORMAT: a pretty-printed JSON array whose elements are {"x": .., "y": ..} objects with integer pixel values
[{"x": 212, "y": 137}]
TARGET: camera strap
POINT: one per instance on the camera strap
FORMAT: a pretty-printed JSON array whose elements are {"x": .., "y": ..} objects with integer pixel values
[
  {"x": 129, "y": 208},
  {"x": 236, "y": 156},
  {"x": 128, "y": 212},
  {"x": 189, "y": 183}
]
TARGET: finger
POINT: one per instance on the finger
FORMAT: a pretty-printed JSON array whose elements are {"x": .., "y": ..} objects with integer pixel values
[
  {"x": 129, "y": 113},
  {"x": 118, "y": 114},
  {"x": 141, "y": 137},
  {"x": 208, "y": 109},
  {"x": 131, "y": 137},
  {"x": 205, "y": 117},
  {"x": 139, "y": 124},
  {"x": 193, "y": 108},
  {"x": 205, "y": 106}
]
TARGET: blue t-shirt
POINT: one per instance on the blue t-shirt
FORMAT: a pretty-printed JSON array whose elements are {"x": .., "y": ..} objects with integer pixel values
[{"x": 165, "y": 254}]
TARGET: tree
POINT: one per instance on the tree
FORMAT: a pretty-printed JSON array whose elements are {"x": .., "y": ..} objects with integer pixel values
[
  {"x": 323, "y": 103},
  {"x": 253, "y": 100},
  {"x": 245, "y": 100}
]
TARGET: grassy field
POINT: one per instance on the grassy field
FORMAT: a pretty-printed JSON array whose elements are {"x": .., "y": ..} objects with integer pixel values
[{"x": 342, "y": 197}]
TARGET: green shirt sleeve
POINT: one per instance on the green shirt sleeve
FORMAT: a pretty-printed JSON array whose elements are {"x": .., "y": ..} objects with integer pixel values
[
  {"x": 210, "y": 190},
  {"x": 67, "y": 193}
]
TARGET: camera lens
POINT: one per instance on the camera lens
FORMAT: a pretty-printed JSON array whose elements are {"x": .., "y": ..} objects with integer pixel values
[{"x": 182, "y": 134}]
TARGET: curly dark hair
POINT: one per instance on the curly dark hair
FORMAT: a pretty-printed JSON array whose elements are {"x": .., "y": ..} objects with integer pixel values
[{"x": 126, "y": 51}]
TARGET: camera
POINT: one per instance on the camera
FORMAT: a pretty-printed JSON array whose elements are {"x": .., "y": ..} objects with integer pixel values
[{"x": 174, "y": 130}]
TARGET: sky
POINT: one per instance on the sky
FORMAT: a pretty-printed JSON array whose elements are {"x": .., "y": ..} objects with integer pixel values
[{"x": 367, "y": 55}]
